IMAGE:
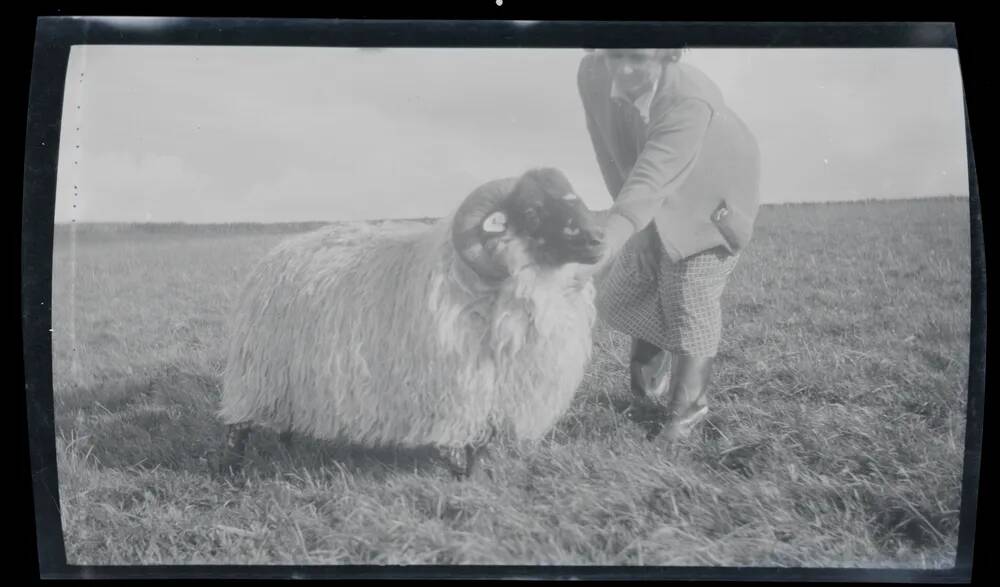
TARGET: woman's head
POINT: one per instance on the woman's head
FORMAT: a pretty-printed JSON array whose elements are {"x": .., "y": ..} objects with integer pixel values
[{"x": 635, "y": 70}]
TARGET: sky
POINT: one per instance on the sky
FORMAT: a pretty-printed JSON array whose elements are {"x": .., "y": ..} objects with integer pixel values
[{"x": 284, "y": 134}]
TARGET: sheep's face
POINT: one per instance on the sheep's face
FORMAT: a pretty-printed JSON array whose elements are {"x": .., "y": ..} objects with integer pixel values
[{"x": 547, "y": 221}]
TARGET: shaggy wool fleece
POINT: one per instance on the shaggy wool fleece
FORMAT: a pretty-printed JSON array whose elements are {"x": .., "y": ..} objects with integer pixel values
[{"x": 386, "y": 340}]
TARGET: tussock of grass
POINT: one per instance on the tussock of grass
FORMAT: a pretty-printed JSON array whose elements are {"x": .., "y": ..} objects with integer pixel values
[{"x": 835, "y": 437}]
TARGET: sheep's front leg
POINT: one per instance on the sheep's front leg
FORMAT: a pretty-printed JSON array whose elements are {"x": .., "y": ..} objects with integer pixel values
[
  {"x": 455, "y": 459},
  {"x": 463, "y": 462},
  {"x": 234, "y": 448}
]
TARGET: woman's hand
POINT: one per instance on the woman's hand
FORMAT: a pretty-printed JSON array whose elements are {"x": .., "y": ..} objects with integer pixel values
[{"x": 617, "y": 231}]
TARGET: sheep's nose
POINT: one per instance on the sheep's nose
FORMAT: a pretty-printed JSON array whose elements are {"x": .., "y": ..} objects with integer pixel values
[{"x": 594, "y": 237}]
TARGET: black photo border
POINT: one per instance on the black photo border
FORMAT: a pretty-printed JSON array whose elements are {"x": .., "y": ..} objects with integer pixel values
[{"x": 54, "y": 36}]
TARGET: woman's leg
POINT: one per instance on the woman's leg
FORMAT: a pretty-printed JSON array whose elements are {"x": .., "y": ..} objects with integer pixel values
[{"x": 691, "y": 293}]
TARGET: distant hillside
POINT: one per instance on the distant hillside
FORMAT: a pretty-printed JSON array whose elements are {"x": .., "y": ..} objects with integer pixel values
[{"x": 222, "y": 228}]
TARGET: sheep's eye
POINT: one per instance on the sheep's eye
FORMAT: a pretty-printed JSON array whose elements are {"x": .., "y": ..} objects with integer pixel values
[{"x": 571, "y": 231}]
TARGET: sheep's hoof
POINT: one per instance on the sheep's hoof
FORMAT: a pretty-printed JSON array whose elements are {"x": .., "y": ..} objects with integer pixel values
[
  {"x": 462, "y": 462},
  {"x": 229, "y": 464}
]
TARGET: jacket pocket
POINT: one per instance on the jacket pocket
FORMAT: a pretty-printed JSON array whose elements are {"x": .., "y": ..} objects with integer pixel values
[{"x": 733, "y": 226}]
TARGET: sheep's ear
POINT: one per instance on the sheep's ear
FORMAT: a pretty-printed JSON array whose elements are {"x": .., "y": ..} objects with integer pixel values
[{"x": 495, "y": 223}]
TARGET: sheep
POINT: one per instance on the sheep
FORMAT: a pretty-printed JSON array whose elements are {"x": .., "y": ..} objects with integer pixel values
[{"x": 443, "y": 336}]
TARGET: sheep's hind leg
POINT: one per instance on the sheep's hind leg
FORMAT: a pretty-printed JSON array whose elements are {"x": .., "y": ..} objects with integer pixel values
[
  {"x": 234, "y": 450},
  {"x": 285, "y": 437},
  {"x": 287, "y": 440},
  {"x": 473, "y": 459},
  {"x": 474, "y": 453}
]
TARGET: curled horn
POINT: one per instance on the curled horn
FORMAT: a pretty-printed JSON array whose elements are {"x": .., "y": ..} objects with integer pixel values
[{"x": 467, "y": 227}]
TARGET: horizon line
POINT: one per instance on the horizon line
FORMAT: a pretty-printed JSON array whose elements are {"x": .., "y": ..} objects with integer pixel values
[{"x": 384, "y": 219}]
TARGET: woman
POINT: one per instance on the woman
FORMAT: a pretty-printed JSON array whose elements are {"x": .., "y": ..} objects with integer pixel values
[{"x": 683, "y": 171}]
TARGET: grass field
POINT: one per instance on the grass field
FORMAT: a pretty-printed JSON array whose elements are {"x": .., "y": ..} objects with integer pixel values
[{"x": 836, "y": 436}]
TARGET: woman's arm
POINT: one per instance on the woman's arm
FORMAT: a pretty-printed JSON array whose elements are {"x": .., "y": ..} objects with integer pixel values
[{"x": 666, "y": 160}]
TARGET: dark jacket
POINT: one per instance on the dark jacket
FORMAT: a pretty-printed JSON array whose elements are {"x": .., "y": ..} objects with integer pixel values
[{"x": 693, "y": 168}]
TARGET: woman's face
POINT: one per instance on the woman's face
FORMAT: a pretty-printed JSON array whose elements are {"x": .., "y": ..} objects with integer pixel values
[{"x": 634, "y": 70}]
